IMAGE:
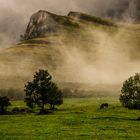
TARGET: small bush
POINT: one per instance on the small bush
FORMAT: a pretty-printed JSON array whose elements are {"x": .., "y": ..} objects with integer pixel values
[
  {"x": 4, "y": 103},
  {"x": 15, "y": 110},
  {"x": 18, "y": 110}
]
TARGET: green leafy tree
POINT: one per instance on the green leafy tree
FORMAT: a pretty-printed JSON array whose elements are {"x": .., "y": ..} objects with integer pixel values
[
  {"x": 42, "y": 91},
  {"x": 4, "y": 103},
  {"x": 130, "y": 97}
]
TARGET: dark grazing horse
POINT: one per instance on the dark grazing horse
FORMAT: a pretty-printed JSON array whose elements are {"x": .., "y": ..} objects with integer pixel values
[{"x": 104, "y": 105}]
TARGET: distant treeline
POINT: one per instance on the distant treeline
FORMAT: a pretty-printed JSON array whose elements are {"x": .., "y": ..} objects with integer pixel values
[
  {"x": 76, "y": 93},
  {"x": 13, "y": 94},
  {"x": 19, "y": 94}
]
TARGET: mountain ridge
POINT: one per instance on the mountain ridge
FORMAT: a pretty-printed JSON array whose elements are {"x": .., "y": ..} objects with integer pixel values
[{"x": 43, "y": 22}]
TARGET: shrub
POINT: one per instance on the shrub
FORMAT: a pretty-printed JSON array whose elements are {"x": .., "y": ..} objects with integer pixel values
[
  {"x": 15, "y": 110},
  {"x": 18, "y": 110},
  {"x": 4, "y": 103}
]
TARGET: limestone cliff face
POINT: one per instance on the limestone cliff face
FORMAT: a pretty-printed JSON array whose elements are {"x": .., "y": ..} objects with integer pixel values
[{"x": 43, "y": 22}]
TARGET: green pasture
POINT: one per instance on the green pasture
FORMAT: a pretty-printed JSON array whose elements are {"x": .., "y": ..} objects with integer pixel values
[{"x": 76, "y": 119}]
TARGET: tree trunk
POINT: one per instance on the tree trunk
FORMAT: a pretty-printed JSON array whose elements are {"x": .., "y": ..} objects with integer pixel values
[
  {"x": 42, "y": 109},
  {"x": 52, "y": 107}
]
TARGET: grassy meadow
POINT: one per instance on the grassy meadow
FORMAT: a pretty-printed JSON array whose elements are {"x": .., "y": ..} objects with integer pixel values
[{"x": 76, "y": 119}]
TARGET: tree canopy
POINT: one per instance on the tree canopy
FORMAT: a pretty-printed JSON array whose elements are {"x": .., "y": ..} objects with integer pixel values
[{"x": 130, "y": 96}]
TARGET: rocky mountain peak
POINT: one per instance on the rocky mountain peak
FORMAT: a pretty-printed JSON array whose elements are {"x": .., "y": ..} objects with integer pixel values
[{"x": 40, "y": 23}]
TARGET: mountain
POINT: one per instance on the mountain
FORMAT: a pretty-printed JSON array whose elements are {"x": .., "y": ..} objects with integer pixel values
[{"x": 77, "y": 48}]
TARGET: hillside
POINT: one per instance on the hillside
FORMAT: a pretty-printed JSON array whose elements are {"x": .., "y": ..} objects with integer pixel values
[{"x": 75, "y": 49}]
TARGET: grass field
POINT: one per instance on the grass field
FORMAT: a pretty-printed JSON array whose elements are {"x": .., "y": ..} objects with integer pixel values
[{"x": 76, "y": 119}]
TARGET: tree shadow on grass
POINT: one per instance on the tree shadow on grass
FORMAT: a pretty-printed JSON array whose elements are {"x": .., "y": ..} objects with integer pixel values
[
  {"x": 44, "y": 112},
  {"x": 114, "y": 118}
]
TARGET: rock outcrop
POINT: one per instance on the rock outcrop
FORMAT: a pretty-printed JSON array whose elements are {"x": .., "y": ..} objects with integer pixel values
[
  {"x": 89, "y": 18},
  {"x": 43, "y": 22},
  {"x": 40, "y": 23}
]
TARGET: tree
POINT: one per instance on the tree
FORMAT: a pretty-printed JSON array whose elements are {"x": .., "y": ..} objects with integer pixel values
[
  {"x": 42, "y": 91},
  {"x": 130, "y": 97},
  {"x": 4, "y": 103}
]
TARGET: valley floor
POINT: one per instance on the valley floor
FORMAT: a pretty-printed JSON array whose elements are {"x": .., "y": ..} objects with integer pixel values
[{"x": 76, "y": 119}]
